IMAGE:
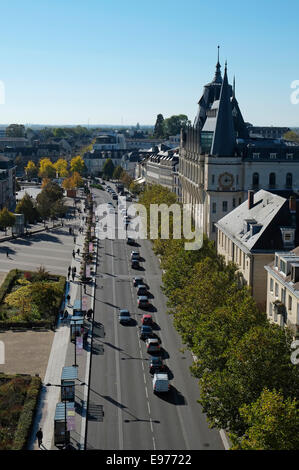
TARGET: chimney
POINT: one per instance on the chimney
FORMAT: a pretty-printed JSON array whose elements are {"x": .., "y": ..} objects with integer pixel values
[
  {"x": 292, "y": 209},
  {"x": 250, "y": 199}
]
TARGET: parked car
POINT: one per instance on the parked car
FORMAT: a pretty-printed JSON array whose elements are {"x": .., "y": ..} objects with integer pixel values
[
  {"x": 135, "y": 255},
  {"x": 161, "y": 383},
  {"x": 141, "y": 290},
  {"x": 130, "y": 241},
  {"x": 143, "y": 302},
  {"x": 137, "y": 281},
  {"x": 135, "y": 264},
  {"x": 145, "y": 332},
  {"x": 147, "y": 319},
  {"x": 153, "y": 345},
  {"x": 124, "y": 316},
  {"x": 156, "y": 365}
]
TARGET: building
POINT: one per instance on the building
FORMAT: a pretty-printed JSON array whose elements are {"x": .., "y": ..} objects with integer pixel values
[
  {"x": 250, "y": 235},
  {"x": 268, "y": 132},
  {"x": 219, "y": 161},
  {"x": 7, "y": 183},
  {"x": 283, "y": 290},
  {"x": 110, "y": 141}
]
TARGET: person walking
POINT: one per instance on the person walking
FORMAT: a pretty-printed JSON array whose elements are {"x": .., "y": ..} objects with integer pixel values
[
  {"x": 75, "y": 269},
  {"x": 65, "y": 315},
  {"x": 74, "y": 253},
  {"x": 68, "y": 298},
  {"x": 74, "y": 240},
  {"x": 39, "y": 436},
  {"x": 73, "y": 276},
  {"x": 6, "y": 252},
  {"x": 78, "y": 251}
]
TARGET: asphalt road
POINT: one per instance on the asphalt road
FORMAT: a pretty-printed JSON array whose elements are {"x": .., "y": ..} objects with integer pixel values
[{"x": 123, "y": 412}]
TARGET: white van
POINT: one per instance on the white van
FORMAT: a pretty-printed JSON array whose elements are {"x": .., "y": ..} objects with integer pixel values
[{"x": 160, "y": 383}]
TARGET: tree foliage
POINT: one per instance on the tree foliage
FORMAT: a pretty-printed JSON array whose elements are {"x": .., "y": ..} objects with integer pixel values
[
  {"x": 108, "y": 168},
  {"x": 7, "y": 218},
  {"x": 15, "y": 130},
  {"x": 77, "y": 165},
  {"x": 159, "y": 130},
  {"x": 46, "y": 168},
  {"x": 31, "y": 170},
  {"x": 26, "y": 206}
]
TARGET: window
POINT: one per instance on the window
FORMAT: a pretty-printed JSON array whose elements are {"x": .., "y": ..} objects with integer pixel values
[
  {"x": 290, "y": 303},
  {"x": 272, "y": 179},
  {"x": 273, "y": 156},
  {"x": 283, "y": 296},
  {"x": 255, "y": 180},
  {"x": 271, "y": 284},
  {"x": 276, "y": 289},
  {"x": 214, "y": 207},
  {"x": 224, "y": 206},
  {"x": 213, "y": 179},
  {"x": 289, "y": 156},
  {"x": 282, "y": 266},
  {"x": 240, "y": 201},
  {"x": 237, "y": 179},
  {"x": 256, "y": 156},
  {"x": 270, "y": 309},
  {"x": 213, "y": 228},
  {"x": 234, "y": 202},
  {"x": 289, "y": 180}
]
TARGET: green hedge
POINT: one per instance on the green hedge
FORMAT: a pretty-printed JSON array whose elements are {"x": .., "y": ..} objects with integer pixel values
[
  {"x": 7, "y": 283},
  {"x": 25, "y": 423}
]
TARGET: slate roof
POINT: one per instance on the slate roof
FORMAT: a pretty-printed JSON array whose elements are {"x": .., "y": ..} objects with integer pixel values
[{"x": 267, "y": 206}]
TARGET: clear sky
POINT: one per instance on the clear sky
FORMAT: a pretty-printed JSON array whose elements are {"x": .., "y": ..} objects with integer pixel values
[{"x": 125, "y": 61}]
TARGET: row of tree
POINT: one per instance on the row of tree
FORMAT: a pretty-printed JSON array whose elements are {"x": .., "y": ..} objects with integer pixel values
[
  {"x": 47, "y": 169},
  {"x": 18, "y": 130},
  {"x": 248, "y": 385}
]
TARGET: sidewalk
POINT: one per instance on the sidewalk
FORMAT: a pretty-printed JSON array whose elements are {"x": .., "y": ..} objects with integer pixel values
[{"x": 62, "y": 354}]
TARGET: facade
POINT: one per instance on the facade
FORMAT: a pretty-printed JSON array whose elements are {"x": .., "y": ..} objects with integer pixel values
[
  {"x": 268, "y": 132},
  {"x": 7, "y": 183},
  {"x": 251, "y": 233},
  {"x": 219, "y": 161},
  {"x": 110, "y": 141},
  {"x": 283, "y": 290}
]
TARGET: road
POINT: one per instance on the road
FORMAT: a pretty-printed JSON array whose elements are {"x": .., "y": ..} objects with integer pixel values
[{"x": 123, "y": 412}]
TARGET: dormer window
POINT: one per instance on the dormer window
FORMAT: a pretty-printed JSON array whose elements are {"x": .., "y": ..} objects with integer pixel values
[
  {"x": 273, "y": 156},
  {"x": 256, "y": 156},
  {"x": 289, "y": 156},
  {"x": 288, "y": 236}
]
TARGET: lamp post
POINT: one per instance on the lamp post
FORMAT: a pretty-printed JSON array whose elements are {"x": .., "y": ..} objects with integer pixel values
[{"x": 65, "y": 403}]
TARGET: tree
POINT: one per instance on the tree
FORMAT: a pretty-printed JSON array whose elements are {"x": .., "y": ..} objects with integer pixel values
[
  {"x": 50, "y": 194},
  {"x": 117, "y": 173},
  {"x": 31, "y": 170},
  {"x": 272, "y": 423},
  {"x": 7, "y": 219},
  {"x": 15, "y": 130},
  {"x": 77, "y": 164},
  {"x": 261, "y": 359},
  {"x": 61, "y": 167},
  {"x": 73, "y": 182},
  {"x": 174, "y": 124},
  {"x": 108, "y": 168},
  {"x": 46, "y": 168},
  {"x": 159, "y": 130},
  {"x": 126, "y": 179},
  {"x": 291, "y": 135},
  {"x": 25, "y": 206}
]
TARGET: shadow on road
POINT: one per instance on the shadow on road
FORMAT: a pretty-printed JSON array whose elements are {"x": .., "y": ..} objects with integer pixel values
[{"x": 174, "y": 397}]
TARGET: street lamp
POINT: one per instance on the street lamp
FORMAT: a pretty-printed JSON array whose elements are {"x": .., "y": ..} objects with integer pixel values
[{"x": 65, "y": 403}]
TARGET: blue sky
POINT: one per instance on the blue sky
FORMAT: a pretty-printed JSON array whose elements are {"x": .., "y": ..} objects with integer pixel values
[{"x": 125, "y": 61}]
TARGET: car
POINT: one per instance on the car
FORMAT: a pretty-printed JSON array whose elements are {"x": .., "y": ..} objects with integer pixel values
[
  {"x": 135, "y": 255},
  {"x": 145, "y": 332},
  {"x": 156, "y": 365},
  {"x": 161, "y": 383},
  {"x": 141, "y": 290},
  {"x": 147, "y": 319},
  {"x": 114, "y": 196},
  {"x": 137, "y": 280},
  {"x": 135, "y": 264},
  {"x": 130, "y": 241},
  {"x": 142, "y": 301},
  {"x": 153, "y": 345},
  {"x": 124, "y": 316}
]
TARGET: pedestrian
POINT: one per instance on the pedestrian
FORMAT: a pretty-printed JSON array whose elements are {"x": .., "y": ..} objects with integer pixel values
[
  {"x": 74, "y": 253},
  {"x": 75, "y": 269},
  {"x": 70, "y": 230},
  {"x": 78, "y": 251},
  {"x": 73, "y": 276},
  {"x": 6, "y": 252},
  {"x": 69, "y": 269},
  {"x": 39, "y": 436},
  {"x": 75, "y": 240},
  {"x": 68, "y": 298},
  {"x": 65, "y": 316}
]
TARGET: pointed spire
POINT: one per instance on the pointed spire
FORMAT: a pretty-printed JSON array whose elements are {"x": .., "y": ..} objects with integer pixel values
[
  {"x": 234, "y": 87},
  {"x": 218, "y": 78},
  {"x": 224, "y": 134}
]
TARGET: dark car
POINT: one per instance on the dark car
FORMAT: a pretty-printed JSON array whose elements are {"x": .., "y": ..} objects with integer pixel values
[
  {"x": 156, "y": 365},
  {"x": 143, "y": 302},
  {"x": 141, "y": 289},
  {"x": 137, "y": 281},
  {"x": 114, "y": 196},
  {"x": 130, "y": 241},
  {"x": 145, "y": 332},
  {"x": 135, "y": 264}
]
